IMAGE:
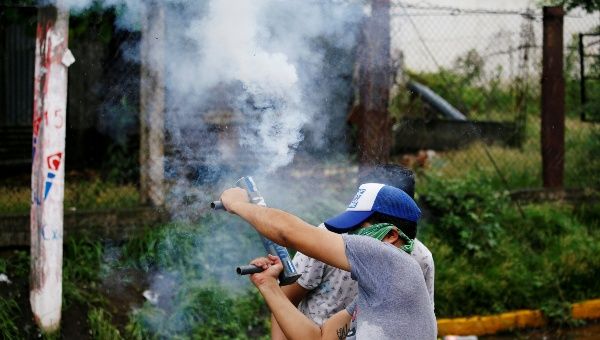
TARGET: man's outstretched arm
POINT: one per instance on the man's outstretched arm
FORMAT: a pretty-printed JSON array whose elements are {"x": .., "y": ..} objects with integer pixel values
[{"x": 288, "y": 230}]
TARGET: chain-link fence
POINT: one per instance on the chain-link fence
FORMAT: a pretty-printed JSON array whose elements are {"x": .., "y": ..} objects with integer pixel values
[{"x": 487, "y": 63}]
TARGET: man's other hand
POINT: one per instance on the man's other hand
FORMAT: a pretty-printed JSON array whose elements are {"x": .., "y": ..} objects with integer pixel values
[{"x": 272, "y": 267}]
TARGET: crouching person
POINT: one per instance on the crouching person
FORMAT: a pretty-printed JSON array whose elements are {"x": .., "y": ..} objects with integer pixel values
[{"x": 392, "y": 302}]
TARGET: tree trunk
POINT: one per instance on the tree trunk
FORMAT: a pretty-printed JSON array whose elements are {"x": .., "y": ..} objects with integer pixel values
[{"x": 152, "y": 106}]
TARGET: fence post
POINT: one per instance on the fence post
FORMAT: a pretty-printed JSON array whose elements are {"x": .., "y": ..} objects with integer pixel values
[
  {"x": 52, "y": 58},
  {"x": 152, "y": 105},
  {"x": 374, "y": 124},
  {"x": 553, "y": 98}
]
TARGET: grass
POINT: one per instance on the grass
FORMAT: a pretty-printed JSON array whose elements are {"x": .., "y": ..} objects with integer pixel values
[
  {"x": 203, "y": 312},
  {"x": 9, "y": 310},
  {"x": 522, "y": 167},
  {"x": 191, "y": 266},
  {"x": 491, "y": 259},
  {"x": 79, "y": 195},
  {"x": 101, "y": 327},
  {"x": 488, "y": 259}
]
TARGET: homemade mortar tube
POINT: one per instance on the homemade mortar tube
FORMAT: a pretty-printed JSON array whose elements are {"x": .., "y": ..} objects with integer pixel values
[
  {"x": 217, "y": 205},
  {"x": 249, "y": 269},
  {"x": 289, "y": 274}
]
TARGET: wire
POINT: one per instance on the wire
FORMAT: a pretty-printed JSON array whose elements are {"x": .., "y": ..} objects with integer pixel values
[
  {"x": 460, "y": 11},
  {"x": 455, "y": 11}
]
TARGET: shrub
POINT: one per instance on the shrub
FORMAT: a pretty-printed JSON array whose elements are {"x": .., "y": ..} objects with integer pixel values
[
  {"x": 202, "y": 312},
  {"x": 489, "y": 258}
]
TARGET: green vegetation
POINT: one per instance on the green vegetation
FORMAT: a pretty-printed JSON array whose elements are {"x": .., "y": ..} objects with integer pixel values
[
  {"x": 490, "y": 258},
  {"x": 491, "y": 255},
  {"x": 521, "y": 167},
  {"x": 588, "y": 5},
  {"x": 203, "y": 312},
  {"x": 101, "y": 327},
  {"x": 79, "y": 195},
  {"x": 478, "y": 94},
  {"x": 189, "y": 257},
  {"x": 9, "y": 309},
  {"x": 485, "y": 95}
]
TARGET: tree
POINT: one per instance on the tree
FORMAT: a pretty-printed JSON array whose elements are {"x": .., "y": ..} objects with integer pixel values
[{"x": 588, "y": 5}]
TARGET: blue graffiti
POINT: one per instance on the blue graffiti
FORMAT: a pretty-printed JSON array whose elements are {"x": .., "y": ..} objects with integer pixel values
[
  {"x": 53, "y": 235},
  {"x": 48, "y": 184}
]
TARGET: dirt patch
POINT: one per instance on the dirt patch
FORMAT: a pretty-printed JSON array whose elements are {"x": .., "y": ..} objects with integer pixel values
[{"x": 123, "y": 291}]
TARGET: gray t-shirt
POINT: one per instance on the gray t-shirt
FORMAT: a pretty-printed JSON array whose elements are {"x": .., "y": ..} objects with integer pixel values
[
  {"x": 392, "y": 301},
  {"x": 331, "y": 289}
]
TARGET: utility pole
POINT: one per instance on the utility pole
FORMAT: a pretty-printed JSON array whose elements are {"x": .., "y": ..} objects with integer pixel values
[
  {"x": 374, "y": 123},
  {"x": 152, "y": 105},
  {"x": 553, "y": 99},
  {"x": 52, "y": 58}
]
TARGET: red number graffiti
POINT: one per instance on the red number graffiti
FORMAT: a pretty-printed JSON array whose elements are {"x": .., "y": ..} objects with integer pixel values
[{"x": 57, "y": 118}]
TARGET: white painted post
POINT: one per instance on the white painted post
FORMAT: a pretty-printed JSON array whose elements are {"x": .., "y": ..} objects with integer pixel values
[{"x": 52, "y": 58}]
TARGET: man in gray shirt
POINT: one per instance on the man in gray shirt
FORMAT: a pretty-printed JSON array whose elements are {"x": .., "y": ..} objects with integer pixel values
[
  {"x": 392, "y": 302},
  {"x": 323, "y": 290},
  {"x": 388, "y": 307}
]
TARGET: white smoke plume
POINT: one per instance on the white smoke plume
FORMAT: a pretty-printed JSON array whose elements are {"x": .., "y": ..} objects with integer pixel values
[
  {"x": 262, "y": 60},
  {"x": 247, "y": 82}
]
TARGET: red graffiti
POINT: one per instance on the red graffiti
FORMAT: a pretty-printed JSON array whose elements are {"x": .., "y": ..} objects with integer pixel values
[
  {"x": 57, "y": 118},
  {"x": 44, "y": 44},
  {"x": 54, "y": 161},
  {"x": 36, "y": 125}
]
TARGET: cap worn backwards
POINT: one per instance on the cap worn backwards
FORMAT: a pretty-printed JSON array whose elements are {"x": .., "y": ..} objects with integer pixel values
[{"x": 372, "y": 198}]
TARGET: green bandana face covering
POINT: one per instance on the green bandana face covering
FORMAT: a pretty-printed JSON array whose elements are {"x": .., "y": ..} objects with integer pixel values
[{"x": 379, "y": 231}]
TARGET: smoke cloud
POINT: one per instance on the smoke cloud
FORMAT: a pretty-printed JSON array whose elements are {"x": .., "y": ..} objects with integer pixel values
[{"x": 248, "y": 85}]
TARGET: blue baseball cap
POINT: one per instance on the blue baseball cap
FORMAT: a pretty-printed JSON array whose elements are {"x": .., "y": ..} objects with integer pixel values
[{"x": 372, "y": 198}]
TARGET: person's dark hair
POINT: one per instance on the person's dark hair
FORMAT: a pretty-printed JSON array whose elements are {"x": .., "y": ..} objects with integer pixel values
[
  {"x": 390, "y": 174},
  {"x": 409, "y": 228}
]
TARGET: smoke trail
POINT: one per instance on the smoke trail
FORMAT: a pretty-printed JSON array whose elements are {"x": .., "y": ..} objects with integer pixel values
[
  {"x": 231, "y": 56},
  {"x": 246, "y": 82},
  {"x": 260, "y": 59},
  {"x": 280, "y": 70}
]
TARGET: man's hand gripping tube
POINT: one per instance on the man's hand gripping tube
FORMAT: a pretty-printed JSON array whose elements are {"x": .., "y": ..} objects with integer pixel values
[{"x": 289, "y": 274}]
